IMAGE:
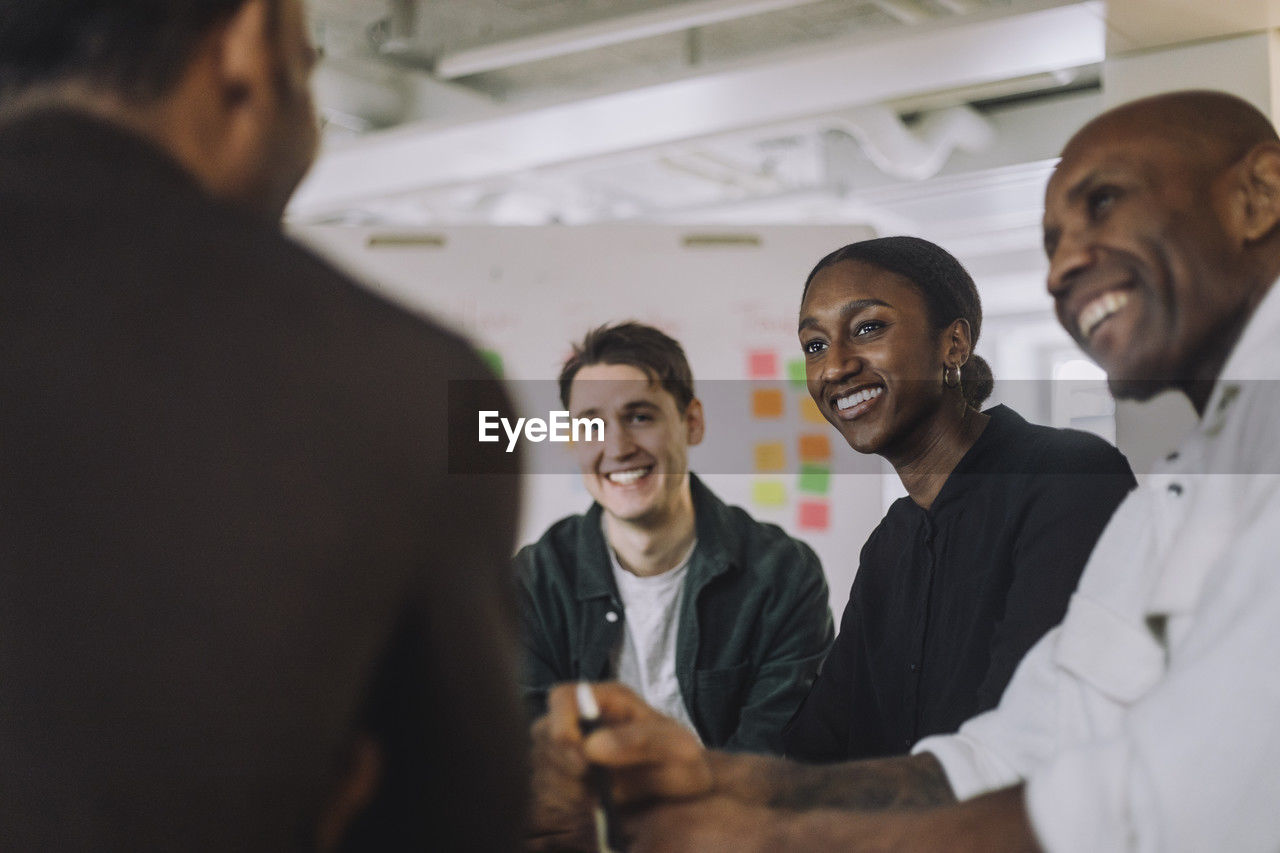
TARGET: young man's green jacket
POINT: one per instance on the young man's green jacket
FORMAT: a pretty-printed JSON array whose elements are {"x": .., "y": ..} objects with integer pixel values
[{"x": 754, "y": 625}]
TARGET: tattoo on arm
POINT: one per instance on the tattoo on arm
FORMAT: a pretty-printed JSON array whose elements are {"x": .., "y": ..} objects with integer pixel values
[{"x": 885, "y": 783}]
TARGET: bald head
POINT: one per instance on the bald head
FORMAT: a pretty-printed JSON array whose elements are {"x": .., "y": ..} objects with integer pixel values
[
  {"x": 1162, "y": 227},
  {"x": 1215, "y": 128}
]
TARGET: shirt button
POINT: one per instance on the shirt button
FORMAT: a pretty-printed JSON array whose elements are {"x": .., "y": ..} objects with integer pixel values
[
  {"x": 611, "y": 616},
  {"x": 1175, "y": 489},
  {"x": 913, "y": 667},
  {"x": 1172, "y": 457}
]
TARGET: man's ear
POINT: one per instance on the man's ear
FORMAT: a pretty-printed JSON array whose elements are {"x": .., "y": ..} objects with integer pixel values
[
  {"x": 244, "y": 54},
  {"x": 1261, "y": 192},
  {"x": 695, "y": 422}
]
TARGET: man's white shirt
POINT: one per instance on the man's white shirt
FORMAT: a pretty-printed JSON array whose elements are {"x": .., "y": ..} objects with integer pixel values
[
  {"x": 1149, "y": 719},
  {"x": 651, "y": 622}
]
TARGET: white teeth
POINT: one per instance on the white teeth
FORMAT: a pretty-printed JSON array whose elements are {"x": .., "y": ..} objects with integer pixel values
[
  {"x": 857, "y": 397},
  {"x": 1100, "y": 309},
  {"x": 624, "y": 478}
]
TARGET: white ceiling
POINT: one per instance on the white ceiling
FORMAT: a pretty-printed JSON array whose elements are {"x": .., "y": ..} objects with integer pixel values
[
  {"x": 937, "y": 117},
  {"x": 574, "y": 111}
]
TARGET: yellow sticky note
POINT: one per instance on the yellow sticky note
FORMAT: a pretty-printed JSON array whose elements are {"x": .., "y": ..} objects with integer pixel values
[
  {"x": 771, "y": 456},
  {"x": 809, "y": 411},
  {"x": 768, "y": 493}
]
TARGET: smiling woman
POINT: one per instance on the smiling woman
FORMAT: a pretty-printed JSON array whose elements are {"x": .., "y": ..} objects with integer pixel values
[{"x": 966, "y": 573}]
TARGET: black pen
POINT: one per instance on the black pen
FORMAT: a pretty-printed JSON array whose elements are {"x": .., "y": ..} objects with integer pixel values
[{"x": 598, "y": 777}]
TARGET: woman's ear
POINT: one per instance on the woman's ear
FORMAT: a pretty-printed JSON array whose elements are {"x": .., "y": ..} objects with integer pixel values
[{"x": 957, "y": 343}]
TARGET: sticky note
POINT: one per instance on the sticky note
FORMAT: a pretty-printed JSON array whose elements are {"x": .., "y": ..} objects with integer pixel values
[
  {"x": 809, "y": 411},
  {"x": 766, "y": 403},
  {"x": 771, "y": 456},
  {"x": 815, "y": 479},
  {"x": 762, "y": 364},
  {"x": 815, "y": 448},
  {"x": 494, "y": 360},
  {"x": 768, "y": 493},
  {"x": 813, "y": 515},
  {"x": 795, "y": 373}
]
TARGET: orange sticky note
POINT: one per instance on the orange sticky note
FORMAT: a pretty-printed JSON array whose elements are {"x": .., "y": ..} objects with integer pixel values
[
  {"x": 814, "y": 448},
  {"x": 766, "y": 403},
  {"x": 771, "y": 456},
  {"x": 814, "y": 515},
  {"x": 809, "y": 411}
]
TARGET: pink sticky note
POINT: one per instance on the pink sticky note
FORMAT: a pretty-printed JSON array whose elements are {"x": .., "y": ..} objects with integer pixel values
[
  {"x": 762, "y": 364},
  {"x": 814, "y": 515}
]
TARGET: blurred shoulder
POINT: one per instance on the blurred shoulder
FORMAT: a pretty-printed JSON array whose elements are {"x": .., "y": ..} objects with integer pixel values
[
  {"x": 553, "y": 558},
  {"x": 1041, "y": 449}
]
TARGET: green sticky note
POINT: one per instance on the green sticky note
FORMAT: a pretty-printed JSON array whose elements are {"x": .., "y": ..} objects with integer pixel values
[
  {"x": 494, "y": 360},
  {"x": 795, "y": 373},
  {"x": 768, "y": 493},
  {"x": 815, "y": 479}
]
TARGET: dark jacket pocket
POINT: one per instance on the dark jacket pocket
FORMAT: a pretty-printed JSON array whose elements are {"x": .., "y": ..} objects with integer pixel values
[{"x": 718, "y": 698}]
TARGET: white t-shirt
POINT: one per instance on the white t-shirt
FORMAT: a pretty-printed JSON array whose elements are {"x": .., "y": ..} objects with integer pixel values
[{"x": 647, "y": 658}]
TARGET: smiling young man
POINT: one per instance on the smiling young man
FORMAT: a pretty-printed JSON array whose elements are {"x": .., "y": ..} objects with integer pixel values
[
  {"x": 1147, "y": 719},
  {"x": 244, "y": 604},
  {"x": 715, "y": 618}
]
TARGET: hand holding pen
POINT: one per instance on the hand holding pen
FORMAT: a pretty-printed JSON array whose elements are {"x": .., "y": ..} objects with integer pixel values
[
  {"x": 648, "y": 756},
  {"x": 599, "y": 779}
]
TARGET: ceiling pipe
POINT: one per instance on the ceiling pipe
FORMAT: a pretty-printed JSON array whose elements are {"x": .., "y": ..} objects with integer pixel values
[
  {"x": 671, "y": 18},
  {"x": 398, "y": 31},
  {"x": 920, "y": 152},
  {"x": 368, "y": 102},
  {"x": 798, "y": 86},
  {"x": 905, "y": 14}
]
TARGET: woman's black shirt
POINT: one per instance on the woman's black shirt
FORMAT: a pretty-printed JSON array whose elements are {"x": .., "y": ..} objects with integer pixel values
[{"x": 947, "y": 600}]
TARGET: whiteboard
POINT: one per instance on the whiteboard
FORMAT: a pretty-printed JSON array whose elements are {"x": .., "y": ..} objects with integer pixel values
[{"x": 729, "y": 295}]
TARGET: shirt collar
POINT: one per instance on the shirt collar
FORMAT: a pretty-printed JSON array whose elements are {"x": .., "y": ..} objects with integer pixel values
[
  {"x": 713, "y": 555},
  {"x": 1252, "y": 359},
  {"x": 80, "y": 137}
]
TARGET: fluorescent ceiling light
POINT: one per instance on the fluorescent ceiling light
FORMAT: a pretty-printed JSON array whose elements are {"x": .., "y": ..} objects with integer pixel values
[{"x": 622, "y": 28}]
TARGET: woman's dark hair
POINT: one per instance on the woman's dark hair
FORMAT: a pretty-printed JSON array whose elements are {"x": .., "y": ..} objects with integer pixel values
[
  {"x": 657, "y": 355},
  {"x": 948, "y": 290},
  {"x": 135, "y": 48}
]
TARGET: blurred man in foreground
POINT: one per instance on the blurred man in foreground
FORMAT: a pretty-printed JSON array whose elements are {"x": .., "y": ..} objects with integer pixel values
[
  {"x": 244, "y": 603},
  {"x": 1146, "y": 720}
]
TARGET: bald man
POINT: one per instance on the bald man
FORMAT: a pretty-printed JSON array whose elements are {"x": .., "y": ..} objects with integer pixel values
[{"x": 1147, "y": 719}]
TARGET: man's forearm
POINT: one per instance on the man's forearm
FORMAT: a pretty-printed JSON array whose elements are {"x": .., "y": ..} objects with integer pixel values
[
  {"x": 882, "y": 783},
  {"x": 994, "y": 823}
]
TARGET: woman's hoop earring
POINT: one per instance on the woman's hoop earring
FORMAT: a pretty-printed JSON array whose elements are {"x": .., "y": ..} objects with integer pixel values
[{"x": 947, "y": 376}]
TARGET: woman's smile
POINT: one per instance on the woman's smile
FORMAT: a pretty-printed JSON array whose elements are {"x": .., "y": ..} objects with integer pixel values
[{"x": 858, "y": 402}]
